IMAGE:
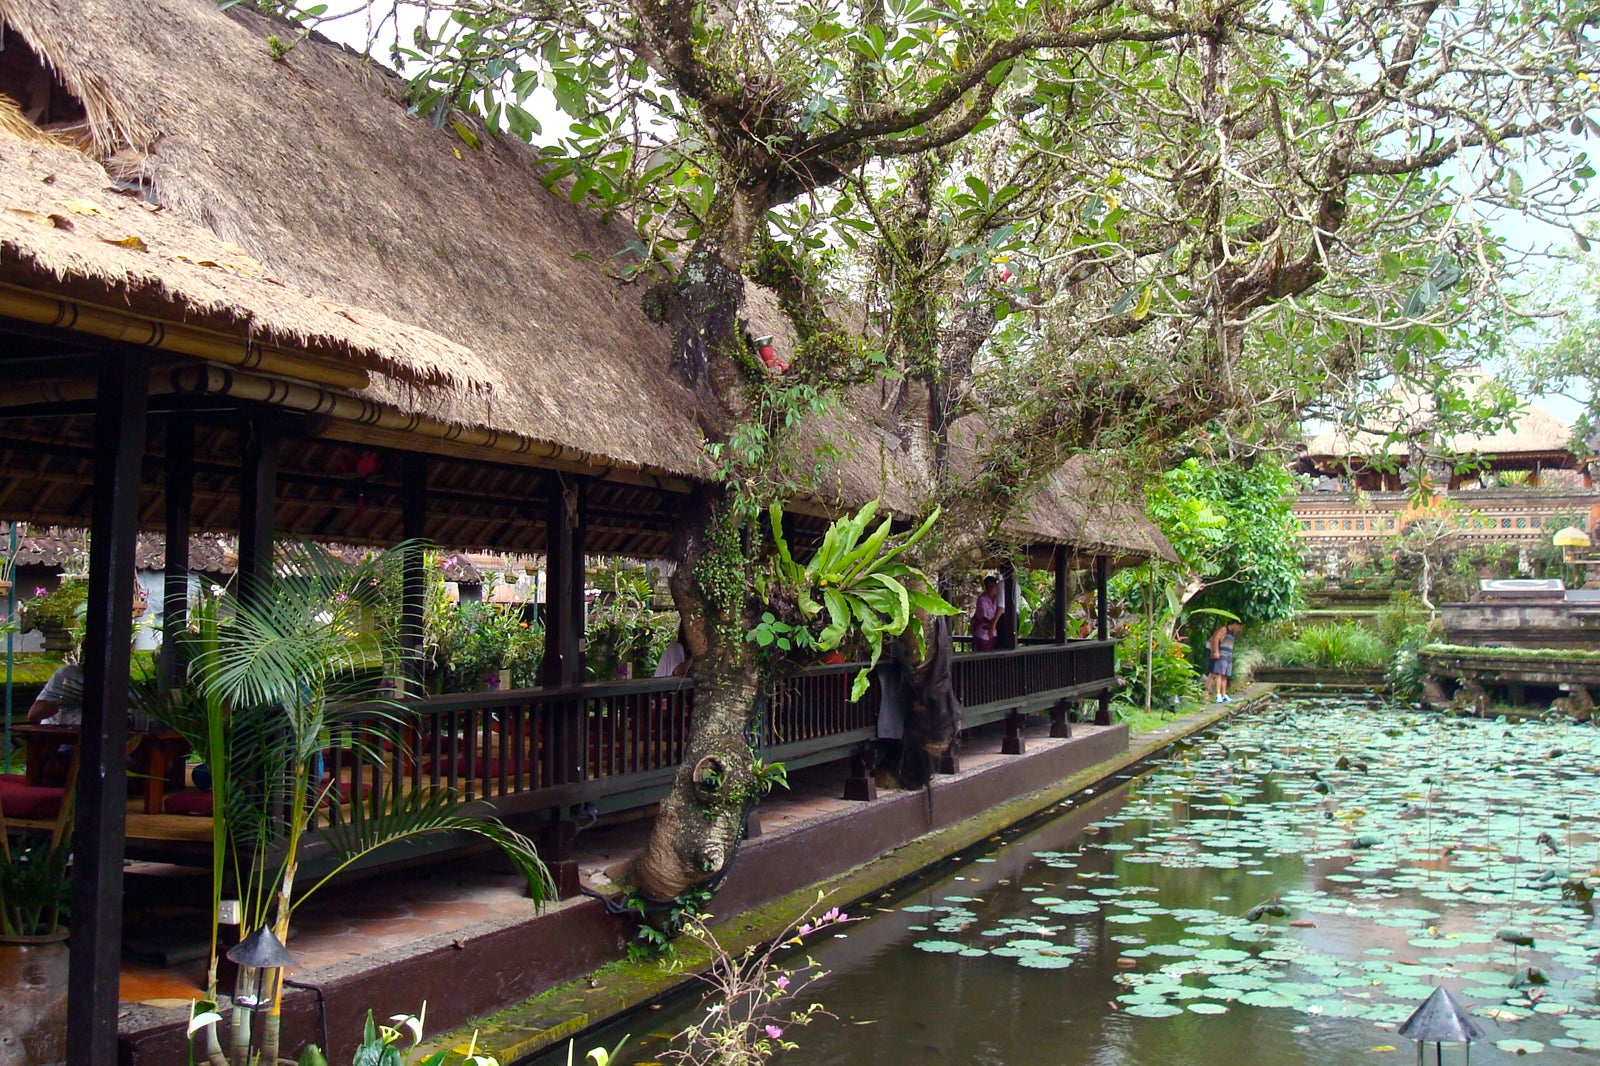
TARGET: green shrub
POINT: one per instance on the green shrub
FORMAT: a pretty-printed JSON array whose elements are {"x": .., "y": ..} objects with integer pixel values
[
  {"x": 1247, "y": 659},
  {"x": 1334, "y": 646},
  {"x": 1173, "y": 673}
]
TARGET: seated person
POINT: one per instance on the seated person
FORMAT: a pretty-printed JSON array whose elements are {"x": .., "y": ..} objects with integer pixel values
[
  {"x": 60, "y": 702},
  {"x": 674, "y": 662}
]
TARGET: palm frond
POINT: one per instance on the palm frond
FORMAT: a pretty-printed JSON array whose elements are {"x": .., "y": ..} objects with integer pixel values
[{"x": 361, "y": 832}]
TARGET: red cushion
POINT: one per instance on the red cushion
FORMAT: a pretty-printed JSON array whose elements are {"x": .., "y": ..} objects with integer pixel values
[
  {"x": 13, "y": 779},
  {"x": 30, "y": 801},
  {"x": 189, "y": 801}
]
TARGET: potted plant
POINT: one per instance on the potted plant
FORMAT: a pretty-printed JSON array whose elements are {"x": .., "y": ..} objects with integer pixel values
[
  {"x": 34, "y": 886},
  {"x": 275, "y": 680},
  {"x": 58, "y": 614}
]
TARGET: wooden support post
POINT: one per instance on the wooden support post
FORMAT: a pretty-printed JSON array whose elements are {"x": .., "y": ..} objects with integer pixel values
[
  {"x": 752, "y": 823},
  {"x": 860, "y": 785},
  {"x": 1102, "y": 716},
  {"x": 102, "y": 799},
  {"x": 563, "y": 586},
  {"x": 413, "y": 578},
  {"x": 563, "y": 665},
  {"x": 949, "y": 763},
  {"x": 1006, "y": 630},
  {"x": 179, "y": 524},
  {"x": 258, "y": 503},
  {"x": 555, "y": 848},
  {"x": 1102, "y": 619},
  {"x": 1014, "y": 743},
  {"x": 1061, "y": 719},
  {"x": 1060, "y": 604}
]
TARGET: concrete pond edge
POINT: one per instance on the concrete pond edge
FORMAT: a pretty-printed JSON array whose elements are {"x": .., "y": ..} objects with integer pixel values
[{"x": 566, "y": 1011}]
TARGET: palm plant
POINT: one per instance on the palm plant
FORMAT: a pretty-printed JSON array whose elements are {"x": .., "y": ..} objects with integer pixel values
[{"x": 278, "y": 676}]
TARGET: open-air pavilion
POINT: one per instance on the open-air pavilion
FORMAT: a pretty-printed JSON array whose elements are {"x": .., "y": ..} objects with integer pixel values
[{"x": 261, "y": 297}]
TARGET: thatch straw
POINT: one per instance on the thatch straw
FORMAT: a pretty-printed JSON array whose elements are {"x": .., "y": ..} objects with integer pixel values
[
  {"x": 1534, "y": 431},
  {"x": 63, "y": 221},
  {"x": 315, "y": 167}
]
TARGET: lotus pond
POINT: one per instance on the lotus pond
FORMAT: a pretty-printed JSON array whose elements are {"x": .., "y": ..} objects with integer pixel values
[{"x": 1284, "y": 890}]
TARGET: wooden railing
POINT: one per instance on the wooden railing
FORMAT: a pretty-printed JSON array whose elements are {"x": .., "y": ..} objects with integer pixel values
[
  {"x": 530, "y": 749},
  {"x": 1032, "y": 675}
]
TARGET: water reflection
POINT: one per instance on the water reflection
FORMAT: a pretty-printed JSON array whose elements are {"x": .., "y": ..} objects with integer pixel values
[{"x": 1144, "y": 888}]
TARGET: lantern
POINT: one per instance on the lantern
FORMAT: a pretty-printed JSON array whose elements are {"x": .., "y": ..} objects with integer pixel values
[
  {"x": 261, "y": 958},
  {"x": 1439, "y": 1021}
]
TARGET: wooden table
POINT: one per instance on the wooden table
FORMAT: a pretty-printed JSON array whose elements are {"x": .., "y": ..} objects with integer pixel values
[{"x": 162, "y": 756}]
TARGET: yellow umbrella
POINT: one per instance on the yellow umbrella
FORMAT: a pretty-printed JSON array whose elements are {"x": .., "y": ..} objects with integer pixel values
[{"x": 1571, "y": 537}]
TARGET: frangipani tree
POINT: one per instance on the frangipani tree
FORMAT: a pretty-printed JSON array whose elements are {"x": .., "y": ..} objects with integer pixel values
[{"x": 1102, "y": 226}]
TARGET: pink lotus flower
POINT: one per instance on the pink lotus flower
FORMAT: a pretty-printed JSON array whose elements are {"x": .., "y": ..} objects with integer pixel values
[{"x": 774, "y": 1032}]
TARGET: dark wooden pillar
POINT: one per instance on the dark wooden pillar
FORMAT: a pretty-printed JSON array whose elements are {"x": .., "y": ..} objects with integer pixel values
[
  {"x": 413, "y": 579},
  {"x": 1014, "y": 743},
  {"x": 102, "y": 803},
  {"x": 563, "y": 586},
  {"x": 258, "y": 502},
  {"x": 1102, "y": 624},
  {"x": 861, "y": 785},
  {"x": 1006, "y": 631},
  {"x": 1060, "y": 604},
  {"x": 1102, "y": 617},
  {"x": 563, "y": 665},
  {"x": 179, "y": 492},
  {"x": 1061, "y": 718}
]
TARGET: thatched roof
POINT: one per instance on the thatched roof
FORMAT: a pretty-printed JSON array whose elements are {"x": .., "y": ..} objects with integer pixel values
[
  {"x": 1534, "y": 432},
  {"x": 315, "y": 167},
  {"x": 312, "y": 169},
  {"x": 63, "y": 221},
  {"x": 884, "y": 450}
]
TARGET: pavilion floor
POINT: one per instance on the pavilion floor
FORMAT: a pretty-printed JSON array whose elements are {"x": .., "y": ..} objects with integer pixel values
[{"x": 371, "y": 923}]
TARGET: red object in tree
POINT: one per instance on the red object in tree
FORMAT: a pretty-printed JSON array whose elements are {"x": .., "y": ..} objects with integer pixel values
[
  {"x": 770, "y": 357},
  {"x": 1005, "y": 274}
]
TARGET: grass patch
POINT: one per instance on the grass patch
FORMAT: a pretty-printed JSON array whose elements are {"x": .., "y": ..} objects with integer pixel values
[{"x": 1140, "y": 721}]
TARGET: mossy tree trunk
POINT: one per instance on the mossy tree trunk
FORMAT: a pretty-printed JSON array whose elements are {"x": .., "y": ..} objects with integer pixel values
[{"x": 701, "y": 819}]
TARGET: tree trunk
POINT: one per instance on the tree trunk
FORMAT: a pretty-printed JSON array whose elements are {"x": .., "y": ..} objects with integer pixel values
[
  {"x": 701, "y": 819},
  {"x": 933, "y": 716}
]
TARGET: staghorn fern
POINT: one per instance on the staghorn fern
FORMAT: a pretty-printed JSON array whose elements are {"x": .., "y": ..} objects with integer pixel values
[{"x": 857, "y": 581}]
